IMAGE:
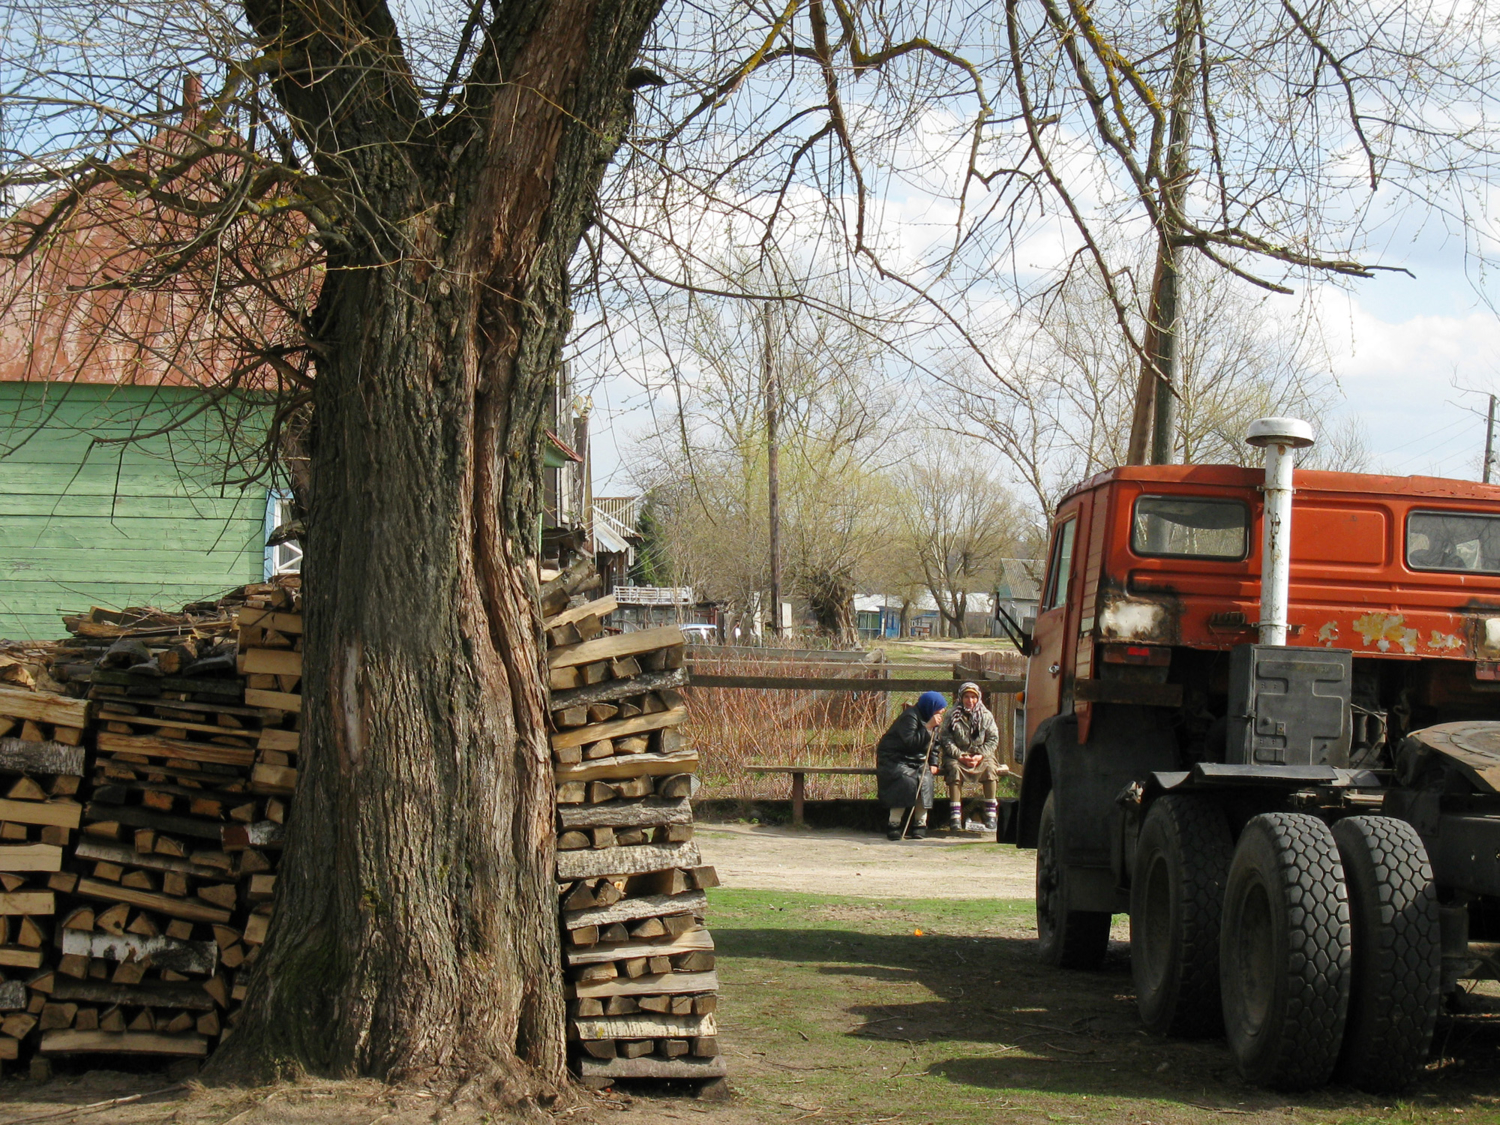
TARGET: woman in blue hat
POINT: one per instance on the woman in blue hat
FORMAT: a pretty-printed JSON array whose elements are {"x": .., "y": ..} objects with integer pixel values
[{"x": 904, "y": 765}]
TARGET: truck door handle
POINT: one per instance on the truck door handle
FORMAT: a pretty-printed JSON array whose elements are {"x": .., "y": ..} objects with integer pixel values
[{"x": 1054, "y": 669}]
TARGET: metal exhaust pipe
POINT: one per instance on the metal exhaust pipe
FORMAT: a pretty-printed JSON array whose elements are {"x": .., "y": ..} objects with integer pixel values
[{"x": 1280, "y": 438}]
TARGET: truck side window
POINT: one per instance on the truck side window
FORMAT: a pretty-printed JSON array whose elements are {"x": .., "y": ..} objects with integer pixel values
[
  {"x": 1061, "y": 566},
  {"x": 1192, "y": 527},
  {"x": 1453, "y": 541}
]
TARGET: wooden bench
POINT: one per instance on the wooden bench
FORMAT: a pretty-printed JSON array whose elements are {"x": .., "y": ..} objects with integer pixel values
[{"x": 799, "y": 780}]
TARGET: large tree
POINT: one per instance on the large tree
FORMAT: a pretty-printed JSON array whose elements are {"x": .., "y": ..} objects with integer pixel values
[{"x": 415, "y": 931}]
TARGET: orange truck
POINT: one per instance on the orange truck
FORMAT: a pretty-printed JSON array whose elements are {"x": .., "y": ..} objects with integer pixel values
[{"x": 1263, "y": 719}]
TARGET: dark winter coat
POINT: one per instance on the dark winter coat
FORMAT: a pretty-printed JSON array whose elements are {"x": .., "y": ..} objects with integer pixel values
[{"x": 903, "y": 760}]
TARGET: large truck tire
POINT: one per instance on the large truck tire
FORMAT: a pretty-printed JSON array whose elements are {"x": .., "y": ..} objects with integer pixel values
[
  {"x": 1176, "y": 900},
  {"x": 1397, "y": 964},
  {"x": 1284, "y": 952},
  {"x": 1068, "y": 939}
]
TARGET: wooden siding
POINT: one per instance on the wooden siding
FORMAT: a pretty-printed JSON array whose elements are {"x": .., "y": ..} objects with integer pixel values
[{"x": 145, "y": 523}]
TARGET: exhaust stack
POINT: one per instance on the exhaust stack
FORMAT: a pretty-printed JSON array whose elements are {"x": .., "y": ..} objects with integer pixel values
[{"x": 1280, "y": 438}]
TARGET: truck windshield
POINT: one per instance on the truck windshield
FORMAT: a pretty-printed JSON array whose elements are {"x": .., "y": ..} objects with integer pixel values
[
  {"x": 1190, "y": 527},
  {"x": 1453, "y": 541}
]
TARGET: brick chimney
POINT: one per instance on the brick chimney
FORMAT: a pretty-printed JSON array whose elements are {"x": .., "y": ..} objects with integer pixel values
[{"x": 192, "y": 99}]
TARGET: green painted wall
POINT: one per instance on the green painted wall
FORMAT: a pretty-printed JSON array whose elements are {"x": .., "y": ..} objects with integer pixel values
[{"x": 138, "y": 524}]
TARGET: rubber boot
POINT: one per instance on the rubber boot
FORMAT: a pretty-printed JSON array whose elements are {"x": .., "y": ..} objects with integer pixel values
[
  {"x": 893, "y": 824},
  {"x": 919, "y": 829}
]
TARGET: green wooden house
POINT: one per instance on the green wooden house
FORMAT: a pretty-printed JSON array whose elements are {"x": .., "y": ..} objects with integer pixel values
[{"x": 148, "y": 522}]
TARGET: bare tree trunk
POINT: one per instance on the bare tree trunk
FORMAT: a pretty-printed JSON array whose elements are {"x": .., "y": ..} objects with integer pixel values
[
  {"x": 415, "y": 931},
  {"x": 773, "y": 470},
  {"x": 1154, "y": 419}
]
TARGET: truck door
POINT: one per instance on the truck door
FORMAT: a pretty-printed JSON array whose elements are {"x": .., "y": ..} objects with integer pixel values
[{"x": 1050, "y": 635}]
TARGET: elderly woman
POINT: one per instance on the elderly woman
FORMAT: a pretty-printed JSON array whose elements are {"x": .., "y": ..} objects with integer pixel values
[
  {"x": 905, "y": 762},
  {"x": 967, "y": 740}
]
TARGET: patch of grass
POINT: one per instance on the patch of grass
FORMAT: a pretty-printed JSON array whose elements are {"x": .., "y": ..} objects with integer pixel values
[{"x": 844, "y": 1009}]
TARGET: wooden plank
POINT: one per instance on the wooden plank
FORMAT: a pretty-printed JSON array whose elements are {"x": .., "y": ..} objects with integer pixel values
[
  {"x": 41, "y": 757},
  {"x": 645, "y": 1025},
  {"x": 192, "y": 910},
  {"x": 99, "y": 851},
  {"x": 652, "y": 984},
  {"x": 138, "y": 816},
  {"x": 611, "y": 690},
  {"x": 848, "y": 684},
  {"x": 272, "y": 661},
  {"x": 30, "y": 857},
  {"x": 611, "y": 648},
  {"x": 28, "y": 902},
  {"x": 633, "y": 860},
  {"x": 275, "y": 620},
  {"x": 633, "y": 909},
  {"x": 279, "y": 700},
  {"x": 599, "y": 607},
  {"x": 619, "y": 728},
  {"x": 63, "y": 814},
  {"x": 692, "y": 942},
  {"x": 229, "y": 687},
  {"x": 20, "y": 957},
  {"x": 153, "y": 995},
  {"x": 651, "y": 812},
  {"x": 44, "y": 707},
  {"x": 71, "y": 1042},
  {"x": 648, "y": 1067},
  {"x": 165, "y": 952},
  {"x": 154, "y": 747},
  {"x": 630, "y": 765}
]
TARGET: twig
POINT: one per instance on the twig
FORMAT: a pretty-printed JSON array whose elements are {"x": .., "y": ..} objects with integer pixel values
[
  {"x": 1067, "y": 1050},
  {"x": 1218, "y": 1108},
  {"x": 95, "y": 1107}
]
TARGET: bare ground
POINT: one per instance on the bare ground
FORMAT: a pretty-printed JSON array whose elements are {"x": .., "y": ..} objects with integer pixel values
[
  {"x": 884, "y": 1005},
  {"x": 842, "y": 862}
]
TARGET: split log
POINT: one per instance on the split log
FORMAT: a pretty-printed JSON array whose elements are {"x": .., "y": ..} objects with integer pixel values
[
  {"x": 613, "y": 648},
  {"x": 63, "y": 814},
  {"x": 643, "y": 1027},
  {"x": 41, "y": 758},
  {"x": 145, "y": 995},
  {"x": 630, "y": 766},
  {"x": 138, "y": 816},
  {"x": 165, "y": 904},
  {"x": 76, "y": 1042},
  {"x": 653, "y": 984},
  {"x": 704, "y": 1069},
  {"x": 599, "y": 607},
  {"x": 30, "y": 857},
  {"x": 649, "y": 813},
  {"x": 697, "y": 941},
  {"x": 614, "y": 690},
  {"x": 44, "y": 707},
  {"x": 619, "y": 728},
  {"x": 632, "y": 909},
  {"x": 626, "y": 861}
]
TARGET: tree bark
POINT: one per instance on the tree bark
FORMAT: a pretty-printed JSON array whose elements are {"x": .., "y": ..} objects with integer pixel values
[{"x": 415, "y": 933}]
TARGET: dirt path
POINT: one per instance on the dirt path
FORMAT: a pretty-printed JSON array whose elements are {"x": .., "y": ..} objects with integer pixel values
[{"x": 825, "y": 861}]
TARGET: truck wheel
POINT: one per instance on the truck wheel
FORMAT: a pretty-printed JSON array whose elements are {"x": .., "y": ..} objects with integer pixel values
[
  {"x": 1176, "y": 898},
  {"x": 1397, "y": 966},
  {"x": 1068, "y": 939},
  {"x": 1284, "y": 952}
]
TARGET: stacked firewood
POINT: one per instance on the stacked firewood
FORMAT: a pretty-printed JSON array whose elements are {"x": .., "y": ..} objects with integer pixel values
[
  {"x": 642, "y": 990},
  {"x": 166, "y": 893},
  {"x": 41, "y": 767}
]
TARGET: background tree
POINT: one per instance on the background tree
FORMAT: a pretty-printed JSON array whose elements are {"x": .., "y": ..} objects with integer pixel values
[
  {"x": 958, "y": 523},
  {"x": 1070, "y": 415}
]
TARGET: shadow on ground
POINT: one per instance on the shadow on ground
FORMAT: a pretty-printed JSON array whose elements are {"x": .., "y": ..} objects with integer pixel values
[{"x": 1014, "y": 1024}]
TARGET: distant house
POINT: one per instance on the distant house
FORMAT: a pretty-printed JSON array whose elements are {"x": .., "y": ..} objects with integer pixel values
[
  {"x": 878, "y": 616},
  {"x": 89, "y": 358}
]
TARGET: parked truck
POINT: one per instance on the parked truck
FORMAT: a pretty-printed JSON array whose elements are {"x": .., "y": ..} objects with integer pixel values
[{"x": 1263, "y": 719}]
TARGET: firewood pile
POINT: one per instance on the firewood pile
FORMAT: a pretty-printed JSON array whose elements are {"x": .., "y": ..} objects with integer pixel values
[
  {"x": 147, "y": 819},
  {"x": 642, "y": 990}
]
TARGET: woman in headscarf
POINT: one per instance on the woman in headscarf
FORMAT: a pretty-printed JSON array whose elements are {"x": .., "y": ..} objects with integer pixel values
[
  {"x": 905, "y": 763},
  {"x": 967, "y": 740}
]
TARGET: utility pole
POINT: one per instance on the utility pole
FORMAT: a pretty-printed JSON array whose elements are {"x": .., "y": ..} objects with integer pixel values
[
  {"x": 1489, "y": 442},
  {"x": 773, "y": 484}
]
